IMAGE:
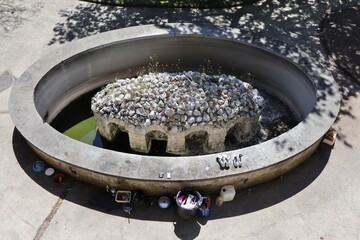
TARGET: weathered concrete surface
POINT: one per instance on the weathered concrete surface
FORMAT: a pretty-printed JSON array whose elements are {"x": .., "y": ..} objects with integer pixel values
[
  {"x": 22, "y": 212},
  {"x": 318, "y": 200},
  {"x": 314, "y": 99},
  {"x": 140, "y": 138}
]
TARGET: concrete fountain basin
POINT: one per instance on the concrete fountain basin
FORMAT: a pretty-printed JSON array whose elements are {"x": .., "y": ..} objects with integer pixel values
[{"x": 58, "y": 78}]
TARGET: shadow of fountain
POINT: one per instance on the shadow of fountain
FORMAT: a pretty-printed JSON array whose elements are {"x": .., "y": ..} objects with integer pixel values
[
  {"x": 26, "y": 158},
  {"x": 246, "y": 200}
]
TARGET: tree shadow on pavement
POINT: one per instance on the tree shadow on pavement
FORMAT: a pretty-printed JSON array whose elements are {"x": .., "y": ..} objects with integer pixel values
[
  {"x": 13, "y": 14},
  {"x": 342, "y": 38},
  {"x": 271, "y": 24}
]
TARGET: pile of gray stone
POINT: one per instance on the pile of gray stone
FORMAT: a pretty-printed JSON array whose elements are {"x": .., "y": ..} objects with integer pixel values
[{"x": 178, "y": 100}]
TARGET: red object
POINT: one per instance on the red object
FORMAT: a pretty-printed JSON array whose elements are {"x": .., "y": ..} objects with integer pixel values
[
  {"x": 330, "y": 137},
  {"x": 58, "y": 179}
]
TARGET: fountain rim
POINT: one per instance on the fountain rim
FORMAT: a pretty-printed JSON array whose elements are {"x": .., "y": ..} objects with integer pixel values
[{"x": 45, "y": 139}]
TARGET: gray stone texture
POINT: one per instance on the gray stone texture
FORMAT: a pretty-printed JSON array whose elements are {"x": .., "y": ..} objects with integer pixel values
[{"x": 183, "y": 110}]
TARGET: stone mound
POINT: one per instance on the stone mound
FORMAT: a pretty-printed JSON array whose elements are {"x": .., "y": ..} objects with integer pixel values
[{"x": 169, "y": 106}]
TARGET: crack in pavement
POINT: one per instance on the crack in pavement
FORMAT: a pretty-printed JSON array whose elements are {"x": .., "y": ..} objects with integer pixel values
[
  {"x": 48, "y": 219},
  {"x": 54, "y": 210}
]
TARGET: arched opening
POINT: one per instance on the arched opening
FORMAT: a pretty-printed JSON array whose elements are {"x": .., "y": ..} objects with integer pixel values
[{"x": 157, "y": 142}]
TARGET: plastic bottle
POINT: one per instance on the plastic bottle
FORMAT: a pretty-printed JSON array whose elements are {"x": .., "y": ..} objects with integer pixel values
[
  {"x": 228, "y": 193},
  {"x": 219, "y": 201}
]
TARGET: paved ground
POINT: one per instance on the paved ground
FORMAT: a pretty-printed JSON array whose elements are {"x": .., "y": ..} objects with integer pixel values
[
  {"x": 318, "y": 200},
  {"x": 342, "y": 28}
]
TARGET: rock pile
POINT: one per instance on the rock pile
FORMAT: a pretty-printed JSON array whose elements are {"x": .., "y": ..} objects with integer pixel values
[{"x": 178, "y": 101}]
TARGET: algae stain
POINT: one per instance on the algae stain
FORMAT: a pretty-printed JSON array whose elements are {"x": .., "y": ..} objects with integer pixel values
[{"x": 84, "y": 131}]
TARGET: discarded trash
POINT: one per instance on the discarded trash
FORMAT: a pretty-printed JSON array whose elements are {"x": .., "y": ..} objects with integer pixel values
[
  {"x": 164, "y": 202},
  {"x": 123, "y": 196},
  {"x": 227, "y": 161},
  {"x": 330, "y": 137},
  {"x": 49, "y": 171},
  {"x": 188, "y": 202},
  {"x": 204, "y": 209},
  {"x": 127, "y": 207},
  {"x": 138, "y": 198},
  {"x": 38, "y": 166},
  {"x": 223, "y": 161},
  {"x": 237, "y": 161},
  {"x": 152, "y": 201},
  {"x": 227, "y": 193},
  {"x": 113, "y": 191},
  {"x": 58, "y": 179},
  {"x": 219, "y": 201}
]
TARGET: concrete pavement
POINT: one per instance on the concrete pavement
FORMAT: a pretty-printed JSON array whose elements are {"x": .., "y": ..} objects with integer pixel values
[{"x": 318, "y": 200}]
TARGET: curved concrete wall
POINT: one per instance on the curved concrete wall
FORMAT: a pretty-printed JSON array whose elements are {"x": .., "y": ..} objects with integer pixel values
[
  {"x": 275, "y": 74},
  {"x": 55, "y": 79}
]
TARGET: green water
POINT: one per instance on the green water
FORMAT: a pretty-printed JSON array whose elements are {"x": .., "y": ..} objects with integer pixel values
[
  {"x": 84, "y": 131},
  {"x": 77, "y": 122}
]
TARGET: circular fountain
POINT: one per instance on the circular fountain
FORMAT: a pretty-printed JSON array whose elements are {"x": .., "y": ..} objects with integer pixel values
[{"x": 60, "y": 77}]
